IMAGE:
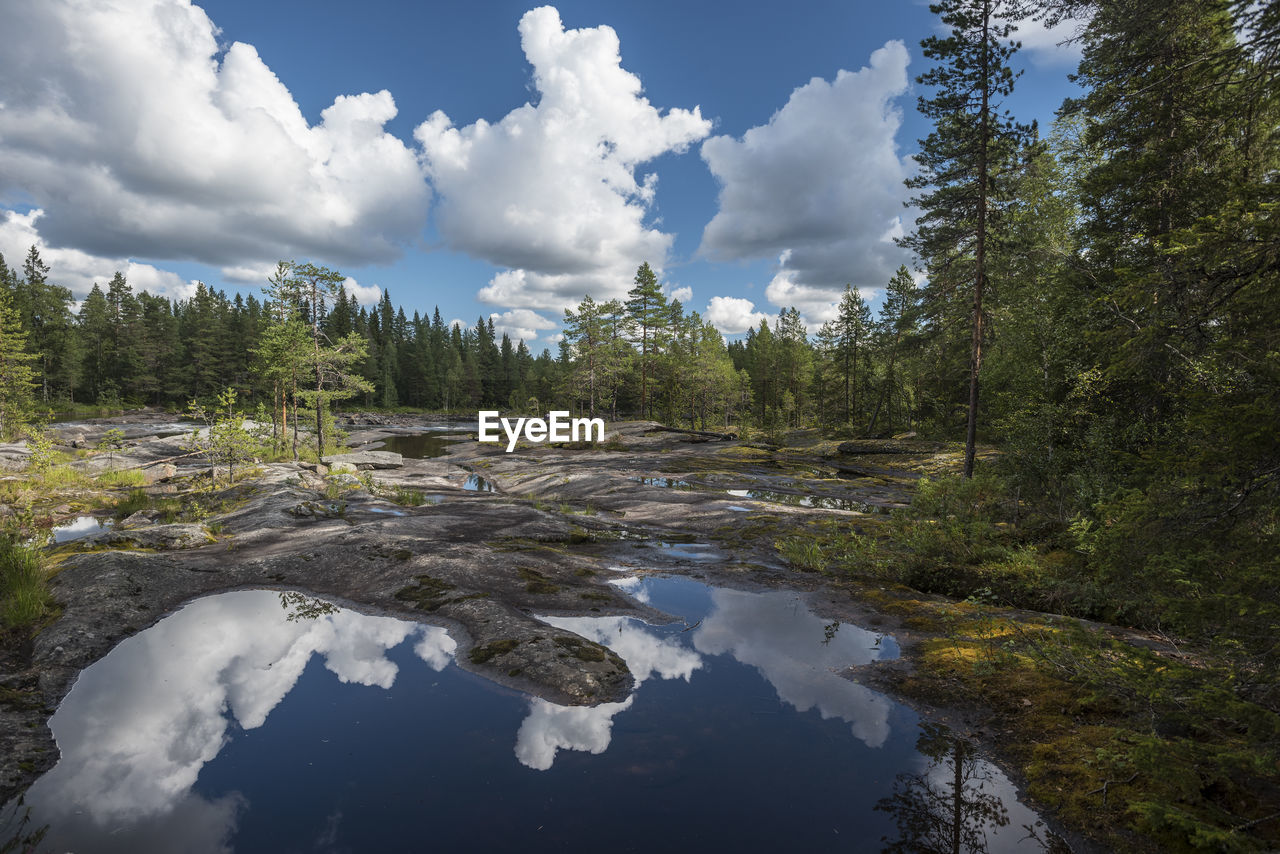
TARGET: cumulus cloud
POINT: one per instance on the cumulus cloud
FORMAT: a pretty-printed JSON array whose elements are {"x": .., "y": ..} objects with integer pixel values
[
  {"x": 137, "y": 135},
  {"x": 816, "y": 304},
  {"x": 79, "y": 270},
  {"x": 550, "y": 191},
  {"x": 1046, "y": 46},
  {"x": 364, "y": 294},
  {"x": 682, "y": 294},
  {"x": 820, "y": 185},
  {"x": 521, "y": 323},
  {"x": 732, "y": 315}
]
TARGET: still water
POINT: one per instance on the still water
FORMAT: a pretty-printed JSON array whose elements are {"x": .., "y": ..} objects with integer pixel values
[
  {"x": 420, "y": 446},
  {"x": 80, "y": 526},
  {"x": 255, "y": 721}
]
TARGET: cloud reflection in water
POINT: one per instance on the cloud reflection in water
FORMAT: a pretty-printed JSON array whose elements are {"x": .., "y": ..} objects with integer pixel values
[
  {"x": 796, "y": 651},
  {"x": 139, "y": 725}
]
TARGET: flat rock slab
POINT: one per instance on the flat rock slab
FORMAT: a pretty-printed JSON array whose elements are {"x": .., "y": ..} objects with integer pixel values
[
  {"x": 367, "y": 459},
  {"x": 176, "y": 536}
]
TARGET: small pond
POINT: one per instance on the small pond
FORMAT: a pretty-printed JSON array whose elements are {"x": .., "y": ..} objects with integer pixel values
[
  {"x": 257, "y": 721},
  {"x": 475, "y": 483},
  {"x": 420, "y": 446},
  {"x": 81, "y": 526}
]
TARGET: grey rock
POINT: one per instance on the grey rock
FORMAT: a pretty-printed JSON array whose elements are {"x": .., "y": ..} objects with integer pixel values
[
  {"x": 140, "y": 519},
  {"x": 165, "y": 537},
  {"x": 368, "y": 459},
  {"x": 164, "y": 471}
]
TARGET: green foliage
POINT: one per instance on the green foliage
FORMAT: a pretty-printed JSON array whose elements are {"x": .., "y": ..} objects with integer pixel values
[
  {"x": 803, "y": 553},
  {"x": 24, "y": 595},
  {"x": 408, "y": 497},
  {"x": 122, "y": 478},
  {"x": 224, "y": 441}
]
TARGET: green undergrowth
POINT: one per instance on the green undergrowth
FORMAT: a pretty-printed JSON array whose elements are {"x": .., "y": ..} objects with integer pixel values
[
  {"x": 1167, "y": 740},
  {"x": 1142, "y": 750},
  {"x": 24, "y": 591}
]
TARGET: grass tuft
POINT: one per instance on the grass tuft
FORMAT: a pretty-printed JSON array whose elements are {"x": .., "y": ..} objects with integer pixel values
[{"x": 24, "y": 594}]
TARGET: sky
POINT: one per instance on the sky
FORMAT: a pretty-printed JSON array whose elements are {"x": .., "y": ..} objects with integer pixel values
[{"x": 496, "y": 159}]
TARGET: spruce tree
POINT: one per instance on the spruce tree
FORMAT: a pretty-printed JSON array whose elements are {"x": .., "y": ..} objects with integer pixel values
[
  {"x": 17, "y": 378},
  {"x": 647, "y": 307}
]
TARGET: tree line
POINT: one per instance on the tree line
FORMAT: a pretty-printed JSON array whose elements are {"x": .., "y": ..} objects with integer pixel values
[{"x": 1101, "y": 301}]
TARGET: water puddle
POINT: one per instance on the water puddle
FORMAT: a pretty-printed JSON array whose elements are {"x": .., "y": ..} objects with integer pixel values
[
  {"x": 821, "y": 502},
  {"x": 260, "y": 721},
  {"x": 420, "y": 446},
  {"x": 664, "y": 482},
  {"x": 388, "y": 511},
  {"x": 81, "y": 526},
  {"x": 475, "y": 483},
  {"x": 643, "y": 552}
]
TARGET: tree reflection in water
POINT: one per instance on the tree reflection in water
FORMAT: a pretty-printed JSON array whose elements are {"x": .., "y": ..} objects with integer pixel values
[
  {"x": 953, "y": 806},
  {"x": 300, "y": 606}
]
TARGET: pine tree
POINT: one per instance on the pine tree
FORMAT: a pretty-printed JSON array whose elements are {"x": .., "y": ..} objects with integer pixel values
[{"x": 965, "y": 160}]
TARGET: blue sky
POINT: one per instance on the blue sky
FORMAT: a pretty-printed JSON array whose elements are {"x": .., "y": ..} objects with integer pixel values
[{"x": 181, "y": 142}]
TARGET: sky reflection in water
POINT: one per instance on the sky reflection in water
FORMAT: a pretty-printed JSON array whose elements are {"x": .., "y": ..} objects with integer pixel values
[{"x": 228, "y": 726}]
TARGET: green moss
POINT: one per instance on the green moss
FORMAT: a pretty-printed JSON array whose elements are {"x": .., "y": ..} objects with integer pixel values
[
  {"x": 426, "y": 593},
  {"x": 537, "y": 582},
  {"x": 482, "y": 654},
  {"x": 581, "y": 649}
]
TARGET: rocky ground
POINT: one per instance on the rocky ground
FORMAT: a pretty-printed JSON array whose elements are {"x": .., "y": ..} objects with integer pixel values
[{"x": 496, "y": 538}]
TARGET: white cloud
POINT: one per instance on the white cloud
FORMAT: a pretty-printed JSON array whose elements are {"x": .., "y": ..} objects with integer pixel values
[
  {"x": 1043, "y": 45},
  {"x": 817, "y": 305},
  {"x": 732, "y": 315},
  {"x": 521, "y": 323},
  {"x": 550, "y": 190},
  {"x": 683, "y": 294},
  {"x": 820, "y": 185},
  {"x": 364, "y": 294},
  {"x": 249, "y": 274},
  {"x": 138, "y": 136},
  {"x": 79, "y": 270}
]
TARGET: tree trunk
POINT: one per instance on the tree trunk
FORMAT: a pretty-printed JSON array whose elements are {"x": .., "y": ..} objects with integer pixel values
[{"x": 975, "y": 358}]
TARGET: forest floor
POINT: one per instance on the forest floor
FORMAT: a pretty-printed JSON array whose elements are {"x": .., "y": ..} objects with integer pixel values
[{"x": 478, "y": 540}]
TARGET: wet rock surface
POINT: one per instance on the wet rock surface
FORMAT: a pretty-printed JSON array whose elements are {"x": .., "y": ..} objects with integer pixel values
[{"x": 543, "y": 541}]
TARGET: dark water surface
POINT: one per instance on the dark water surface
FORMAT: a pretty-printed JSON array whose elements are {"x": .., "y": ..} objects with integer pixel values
[
  {"x": 249, "y": 721},
  {"x": 420, "y": 446}
]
